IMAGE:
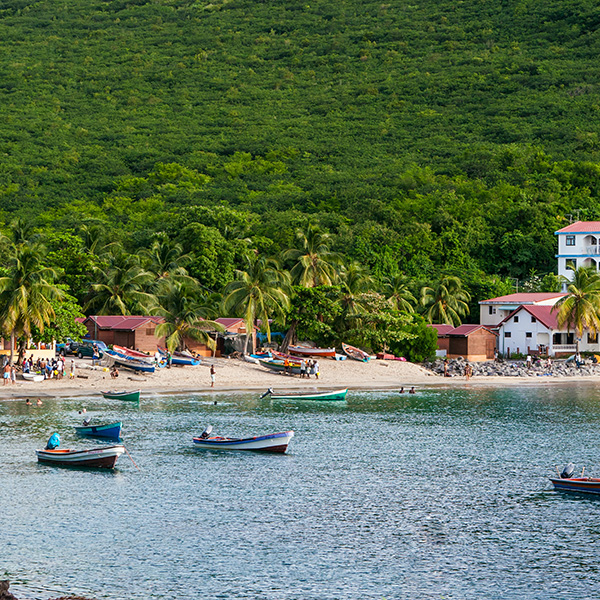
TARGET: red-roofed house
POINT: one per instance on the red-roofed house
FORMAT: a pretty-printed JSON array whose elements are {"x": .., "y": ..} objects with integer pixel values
[
  {"x": 472, "y": 342},
  {"x": 578, "y": 246},
  {"x": 535, "y": 330},
  {"x": 130, "y": 331},
  {"x": 495, "y": 310}
]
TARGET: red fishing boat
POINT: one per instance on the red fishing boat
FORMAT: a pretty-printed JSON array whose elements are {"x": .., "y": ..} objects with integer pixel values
[{"x": 308, "y": 351}]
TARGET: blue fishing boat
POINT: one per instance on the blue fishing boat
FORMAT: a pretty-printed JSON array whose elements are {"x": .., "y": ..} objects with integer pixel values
[
  {"x": 178, "y": 358},
  {"x": 108, "y": 430},
  {"x": 130, "y": 363}
]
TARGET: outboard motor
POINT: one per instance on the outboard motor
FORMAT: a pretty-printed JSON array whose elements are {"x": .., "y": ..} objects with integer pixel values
[
  {"x": 568, "y": 471},
  {"x": 267, "y": 393},
  {"x": 87, "y": 421},
  {"x": 53, "y": 442},
  {"x": 206, "y": 432}
]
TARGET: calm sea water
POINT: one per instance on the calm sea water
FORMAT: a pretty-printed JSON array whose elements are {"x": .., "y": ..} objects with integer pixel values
[{"x": 439, "y": 495}]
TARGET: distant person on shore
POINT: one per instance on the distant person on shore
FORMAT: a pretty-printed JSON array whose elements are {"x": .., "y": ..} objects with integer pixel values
[
  {"x": 13, "y": 374},
  {"x": 95, "y": 355},
  {"x": 446, "y": 374},
  {"x": 213, "y": 376},
  {"x": 72, "y": 370},
  {"x": 169, "y": 360},
  {"x": 114, "y": 373},
  {"x": 6, "y": 374},
  {"x": 316, "y": 368},
  {"x": 528, "y": 361},
  {"x": 468, "y": 371},
  {"x": 302, "y": 369}
]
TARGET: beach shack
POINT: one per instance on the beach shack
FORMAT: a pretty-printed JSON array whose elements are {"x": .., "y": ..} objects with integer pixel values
[
  {"x": 475, "y": 343},
  {"x": 137, "y": 332},
  {"x": 443, "y": 341}
]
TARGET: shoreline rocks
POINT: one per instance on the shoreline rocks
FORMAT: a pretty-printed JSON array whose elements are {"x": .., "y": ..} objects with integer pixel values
[{"x": 517, "y": 368}]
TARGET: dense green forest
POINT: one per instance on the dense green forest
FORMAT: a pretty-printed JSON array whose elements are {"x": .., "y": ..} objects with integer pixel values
[{"x": 430, "y": 140}]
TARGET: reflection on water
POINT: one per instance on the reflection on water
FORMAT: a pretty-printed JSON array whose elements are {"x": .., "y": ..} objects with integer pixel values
[{"x": 439, "y": 494}]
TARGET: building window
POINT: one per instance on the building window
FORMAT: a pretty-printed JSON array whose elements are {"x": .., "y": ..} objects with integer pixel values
[
  {"x": 592, "y": 338},
  {"x": 490, "y": 310},
  {"x": 571, "y": 263},
  {"x": 516, "y": 319},
  {"x": 528, "y": 334},
  {"x": 507, "y": 334},
  {"x": 149, "y": 331},
  {"x": 570, "y": 240},
  {"x": 557, "y": 338},
  {"x": 533, "y": 320}
]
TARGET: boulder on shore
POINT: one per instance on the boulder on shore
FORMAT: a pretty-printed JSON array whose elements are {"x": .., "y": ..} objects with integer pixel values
[{"x": 4, "y": 593}]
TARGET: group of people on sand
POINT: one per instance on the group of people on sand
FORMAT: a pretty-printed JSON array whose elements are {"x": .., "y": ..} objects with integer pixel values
[
  {"x": 9, "y": 374},
  {"x": 51, "y": 369},
  {"x": 307, "y": 368}
]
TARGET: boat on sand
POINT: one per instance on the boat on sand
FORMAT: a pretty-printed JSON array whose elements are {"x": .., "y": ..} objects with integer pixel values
[
  {"x": 356, "y": 353},
  {"x": 308, "y": 351}
]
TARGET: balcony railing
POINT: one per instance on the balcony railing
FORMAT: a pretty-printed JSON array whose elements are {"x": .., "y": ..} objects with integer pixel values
[
  {"x": 592, "y": 250},
  {"x": 564, "y": 347}
]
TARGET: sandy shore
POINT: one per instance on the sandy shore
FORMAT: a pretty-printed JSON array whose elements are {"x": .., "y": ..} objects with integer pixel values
[{"x": 238, "y": 375}]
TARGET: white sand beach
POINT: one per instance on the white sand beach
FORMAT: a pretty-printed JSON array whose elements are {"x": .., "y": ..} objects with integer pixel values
[{"x": 238, "y": 375}]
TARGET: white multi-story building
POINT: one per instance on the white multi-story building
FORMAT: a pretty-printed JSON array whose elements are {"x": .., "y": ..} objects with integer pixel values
[
  {"x": 495, "y": 310},
  {"x": 578, "y": 246}
]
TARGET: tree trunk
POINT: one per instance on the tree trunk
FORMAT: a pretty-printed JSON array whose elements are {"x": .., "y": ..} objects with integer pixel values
[
  {"x": 12, "y": 346},
  {"x": 290, "y": 337}
]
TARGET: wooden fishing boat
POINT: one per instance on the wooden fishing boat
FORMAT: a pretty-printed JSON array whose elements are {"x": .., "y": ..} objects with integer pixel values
[
  {"x": 356, "y": 353},
  {"x": 108, "y": 430},
  {"x": 333, "y": 395},
  {"x": 179, "y": 358},
  {"x": 35, "y": 377},
  {"x": 124, "y": 395},
  {"x": 104, "y": 457},
  {"x": 585, "y": 485},
  {"x": 272, "y": 442},
  {"x": 135, "y": 354},
  {"x": 278, "y": 365},
  {"x": 307, "y": 351},
  {"x": 128, "y": 362},
  {"x": 281, "y": 356}
]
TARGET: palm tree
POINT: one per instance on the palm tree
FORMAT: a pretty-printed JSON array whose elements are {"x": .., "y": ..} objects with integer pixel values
[
  {"x": 180, "y": 304},
  {"x": 26, "y": 292},
  {"x": 397, "y": 289},
  {"x": 580, "y": 309},
  {"x": 446, "y": 302},
  {"x": 355, "y": 280},
  {"x": 121, "y": 286},
  {"x": 258, "y": 293},
  {"x": 165, "y": 259},
  {"x": 315, "y": 262}
]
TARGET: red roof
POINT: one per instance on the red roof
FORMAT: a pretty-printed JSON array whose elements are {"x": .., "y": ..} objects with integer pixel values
[
  {"x": 581, "y": 227},
  {"x": 442, "y": 329},
  {"x": 528, "y": 298},
  {"x": 468, "y": 329},
  {"x": 546, "y": 315},
  {"x": 122, "y": 322}
]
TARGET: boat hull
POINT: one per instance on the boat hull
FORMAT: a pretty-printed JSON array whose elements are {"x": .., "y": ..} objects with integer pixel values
[
  {"x": 306, "y": 351},
  {"x": 278, "y": 366},
  {"x": 583, "y": 485},
  {"x": 135, "y": 354},
  {"x": 274, "y": 442},
  {"x": 334, "y": 395},
  {"x": 110, "y": 430},
  {"x": 97, "y": 458},
  {"x": 35, "y": 377},
  {"x": 356, "y": 353},
  {"x": 129, "y": 396},
  {"x": 130, "y": 363}
]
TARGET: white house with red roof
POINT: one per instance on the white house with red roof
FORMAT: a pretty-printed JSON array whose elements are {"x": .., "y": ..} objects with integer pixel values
[
  {"x": 578, "y": 246},
  {"x": 533, "y": 329},
  {"x": 495, "y": 310}
]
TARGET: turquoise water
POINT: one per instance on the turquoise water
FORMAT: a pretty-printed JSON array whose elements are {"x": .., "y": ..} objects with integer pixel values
[{"x": 439, "y": 495}]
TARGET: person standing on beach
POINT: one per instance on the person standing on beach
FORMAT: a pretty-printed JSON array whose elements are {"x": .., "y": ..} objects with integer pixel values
[
  {"x": 13, "y": 374},
  {"x": 72, "y": 371},
  {"x": 316, "y": 369},
  {"x": 302, "y": 369},
  {"x": 6, "y": 373},
  {"x": 212, "y": 376}
]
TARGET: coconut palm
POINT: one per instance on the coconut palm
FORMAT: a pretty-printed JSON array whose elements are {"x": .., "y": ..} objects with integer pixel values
[
  {"x": 181, "y": 305},
  {"x": 26, "y": 292},
  {"x": 580, "y": 309},
  {"x": 315, "y": 262},
  {"x": 165, "y": 259},
  {"x": 397, "y": 289},
  {"x": 120, "y": 287},
  {"x": 446, "y": 302},
  {"x": 259, "y": 292},
  {"x": 354, "y": 281}
]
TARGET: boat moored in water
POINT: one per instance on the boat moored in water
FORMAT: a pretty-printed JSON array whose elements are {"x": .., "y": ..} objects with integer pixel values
[
  {"x": 272, "y": 442},
  {"x": 565, "y": 482},
  {"x": 332, "y": 395},
  {"x": 107, "y": 430},
  {"x": 104, "y": 457},
  {"x": 133, "y": 396}
]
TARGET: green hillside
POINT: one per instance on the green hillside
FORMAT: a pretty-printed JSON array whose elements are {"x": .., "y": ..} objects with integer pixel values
[{"x": 428, "y": 137}]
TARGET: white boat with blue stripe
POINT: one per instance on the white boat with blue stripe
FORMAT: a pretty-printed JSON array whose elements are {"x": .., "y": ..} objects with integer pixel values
[{"x": 272, "y": 442}]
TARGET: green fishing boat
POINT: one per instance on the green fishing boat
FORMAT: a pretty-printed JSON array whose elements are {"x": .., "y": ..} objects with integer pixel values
[
  {"x": 129, "y": 396},
  {"x": 334, "y": 395}
]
